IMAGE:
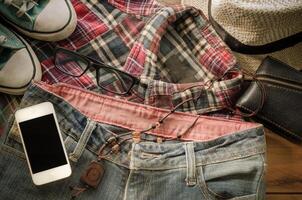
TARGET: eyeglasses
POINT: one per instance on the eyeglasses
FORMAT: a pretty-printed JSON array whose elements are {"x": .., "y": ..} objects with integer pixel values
[{"x": 107, "y": 77}]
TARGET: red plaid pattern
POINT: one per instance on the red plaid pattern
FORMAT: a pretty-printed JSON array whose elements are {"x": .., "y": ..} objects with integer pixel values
[
  {"x": 89, "y": 26},
  {"x": 53, "y": 75},
  {"x": 169, "y": 48},
  {"x": 137, "y": 7},
  {"x": 135, "y": 26}
]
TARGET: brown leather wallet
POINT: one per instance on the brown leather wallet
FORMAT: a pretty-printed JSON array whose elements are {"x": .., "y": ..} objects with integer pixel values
[{"x": 282, "y": 106}]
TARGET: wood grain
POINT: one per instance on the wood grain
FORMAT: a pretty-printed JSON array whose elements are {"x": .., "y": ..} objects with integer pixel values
[
  {"x": 283, "y": 197},
  {"x": 284, "y": 172}
]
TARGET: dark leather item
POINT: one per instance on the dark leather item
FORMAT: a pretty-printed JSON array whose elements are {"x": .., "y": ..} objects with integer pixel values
[
  {"x": 282, "y": 108},
  {"x": 93, "y": 174}
]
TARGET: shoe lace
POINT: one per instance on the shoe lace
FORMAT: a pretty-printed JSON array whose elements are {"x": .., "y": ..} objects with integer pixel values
[
  {"x": 2, "y": 39},
  {"x": 23, "y": 5}
]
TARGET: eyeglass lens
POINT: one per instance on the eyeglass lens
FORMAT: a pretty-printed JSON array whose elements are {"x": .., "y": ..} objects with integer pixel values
[
  {"x": 70, "y": 64},
  {"x": 108, "y": 78}
]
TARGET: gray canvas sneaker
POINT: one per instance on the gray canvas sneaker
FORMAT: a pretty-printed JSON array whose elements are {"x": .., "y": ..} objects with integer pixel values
[
  {"x": 49, "y": 20},
  {"x": 18, "y": 63}
]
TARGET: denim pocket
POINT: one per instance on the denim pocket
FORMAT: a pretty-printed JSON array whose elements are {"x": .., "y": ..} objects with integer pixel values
[
  {"x": 13, "y": 144},
  {"x": 236, "y": 179},
  {"x": 16, "y": 182},
  {"x": 12, "y": 151}
]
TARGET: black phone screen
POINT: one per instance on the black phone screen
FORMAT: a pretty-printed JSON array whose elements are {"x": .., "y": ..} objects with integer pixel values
[{"x": 42, "y": 143}]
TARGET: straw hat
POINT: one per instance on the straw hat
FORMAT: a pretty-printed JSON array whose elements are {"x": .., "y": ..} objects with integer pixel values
[{"x": 254, "y": 29}]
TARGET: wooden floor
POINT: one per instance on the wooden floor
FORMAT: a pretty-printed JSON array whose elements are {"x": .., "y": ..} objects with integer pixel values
[{"x": 284, "y": 168}]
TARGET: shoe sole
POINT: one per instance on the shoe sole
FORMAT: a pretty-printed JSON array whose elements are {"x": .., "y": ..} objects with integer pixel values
[
  {"x": 37, "y": 73},
  {"x": 54, "y": 36}
]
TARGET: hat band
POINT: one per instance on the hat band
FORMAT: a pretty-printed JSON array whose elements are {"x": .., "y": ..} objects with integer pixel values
[{"x": 239, "y": 47}]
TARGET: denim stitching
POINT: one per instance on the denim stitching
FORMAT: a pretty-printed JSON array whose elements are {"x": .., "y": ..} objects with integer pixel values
[
  {"x": 127, "y": 185},
  {"x": 131, "y": 166},
  {"x": 78, "y": 150},
  {"x": 202, "y": 184},
  {"x": 191, "y": 165},
  {"x": 261, "y": 176},
  {"x": 66, "y": 86}
]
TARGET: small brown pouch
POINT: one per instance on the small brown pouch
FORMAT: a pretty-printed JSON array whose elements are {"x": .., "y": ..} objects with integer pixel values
[{"x": 93, "y": 174}]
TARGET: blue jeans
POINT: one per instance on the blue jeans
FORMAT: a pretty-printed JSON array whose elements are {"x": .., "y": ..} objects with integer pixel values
[{"x": 228, "y": 166}]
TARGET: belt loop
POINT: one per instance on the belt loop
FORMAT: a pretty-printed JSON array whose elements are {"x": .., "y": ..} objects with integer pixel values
[
  {"x": 78, "y": 150},
  {"x": 191, "y": 165}
]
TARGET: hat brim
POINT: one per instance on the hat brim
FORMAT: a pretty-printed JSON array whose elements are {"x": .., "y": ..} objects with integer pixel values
[{"x": 291, "y": 55}]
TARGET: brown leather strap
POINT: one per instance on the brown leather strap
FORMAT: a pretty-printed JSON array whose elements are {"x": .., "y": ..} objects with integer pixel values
[{"x": 262, "y": 100}]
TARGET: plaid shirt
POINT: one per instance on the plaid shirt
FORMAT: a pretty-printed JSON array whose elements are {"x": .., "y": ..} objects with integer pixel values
[{"x": 173, "y": 50}]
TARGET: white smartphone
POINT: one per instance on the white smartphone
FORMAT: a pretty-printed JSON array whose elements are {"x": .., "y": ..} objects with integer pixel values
[{"x": 43, "y": 144}]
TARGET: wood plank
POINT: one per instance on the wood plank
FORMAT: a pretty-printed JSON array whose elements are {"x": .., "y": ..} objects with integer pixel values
[
  {"x": 283, "y": 197},
  {"x": 284, "y": 171}
]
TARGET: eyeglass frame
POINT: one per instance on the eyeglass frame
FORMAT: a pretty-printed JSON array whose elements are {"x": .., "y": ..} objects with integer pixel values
[{"x": 97, "y": 65}]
